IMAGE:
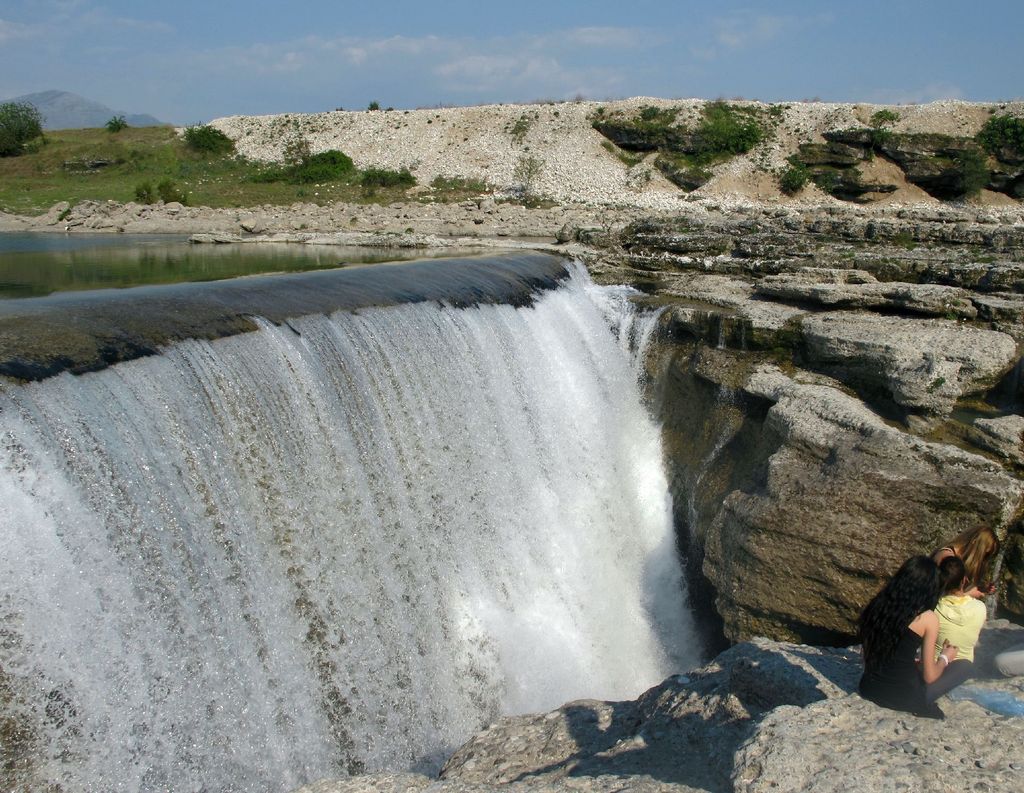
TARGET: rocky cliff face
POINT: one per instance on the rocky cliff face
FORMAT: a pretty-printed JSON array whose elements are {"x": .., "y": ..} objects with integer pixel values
[{"x": 839, "y": 392}]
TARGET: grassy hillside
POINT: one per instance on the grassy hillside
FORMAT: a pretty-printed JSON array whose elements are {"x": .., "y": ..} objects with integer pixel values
[{"x": 73, "y": 165}]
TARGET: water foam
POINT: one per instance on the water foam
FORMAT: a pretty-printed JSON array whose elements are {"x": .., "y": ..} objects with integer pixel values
[{"x": 337, "y": 544}]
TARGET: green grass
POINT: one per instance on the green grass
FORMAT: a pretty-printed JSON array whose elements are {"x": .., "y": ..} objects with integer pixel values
[
  {"x": 627, "y": 158},
  {"x": 726, "y": 130},
  {"x": 35, "y": 181},
  {"x": 450, "y": 189}
]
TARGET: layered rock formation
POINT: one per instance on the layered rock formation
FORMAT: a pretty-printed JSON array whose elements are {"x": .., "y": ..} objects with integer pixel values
[{"x": 839, "y": 392}]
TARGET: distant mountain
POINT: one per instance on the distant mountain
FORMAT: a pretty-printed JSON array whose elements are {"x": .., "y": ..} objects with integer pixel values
[{"x": 64, "y": 110}]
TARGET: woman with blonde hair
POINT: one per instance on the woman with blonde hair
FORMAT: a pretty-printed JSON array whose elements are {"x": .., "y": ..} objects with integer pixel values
[{"x": 977, "y": 547}]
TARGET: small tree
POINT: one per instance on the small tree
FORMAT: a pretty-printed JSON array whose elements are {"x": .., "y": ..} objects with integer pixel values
[
  {"x": 374, "y": 105},
  {"x": 20, "y": 122},
  {"x": 296, "y": 151},
  {"x": 884, "y": 118},
  {"x": 116, "y": 124},
  {"x": 526, "y": 173},
  {"x": 974, "y": 174}
]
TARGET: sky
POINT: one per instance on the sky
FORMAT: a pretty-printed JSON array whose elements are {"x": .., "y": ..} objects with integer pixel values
[{"x": 189, "y": 62}]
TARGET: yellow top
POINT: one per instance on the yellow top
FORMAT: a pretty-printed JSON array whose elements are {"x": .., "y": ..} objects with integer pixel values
[{"x": 960, "y": 621}]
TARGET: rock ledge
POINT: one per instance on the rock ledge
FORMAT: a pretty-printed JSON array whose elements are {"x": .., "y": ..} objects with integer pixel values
[{"x": 762, "y": 716}]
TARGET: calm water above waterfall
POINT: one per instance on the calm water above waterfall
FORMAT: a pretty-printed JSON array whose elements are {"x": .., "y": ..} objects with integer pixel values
[
  {"x": 38, "y": 264},
  {"x": 343, "y": 543}
]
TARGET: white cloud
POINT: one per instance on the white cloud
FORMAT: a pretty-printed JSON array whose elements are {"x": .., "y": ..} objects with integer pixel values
[
  {"x": 607, "y": 37},
  {"x": 141, "y": 25},
  {"x": 482, "y": 73},
  {"x": 10, "y": 31},
  {"x": 746, "y": 29},
  {"x": 743, "y": 29},
  {"x": 71, "y": 20}
]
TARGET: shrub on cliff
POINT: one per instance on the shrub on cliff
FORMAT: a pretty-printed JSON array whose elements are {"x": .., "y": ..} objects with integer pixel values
[
  {"x": 208, "y": 140},
  {"x": 794, "y": 178},
  {"x": 1003, "y": 132},
  {"x": 726, "y": 129},
  {"x": 973, "y": 171},
  {"x": 884, "y": 118},
  {"x": 20, "y": 123},
  {"x": 527, "y": 172}
]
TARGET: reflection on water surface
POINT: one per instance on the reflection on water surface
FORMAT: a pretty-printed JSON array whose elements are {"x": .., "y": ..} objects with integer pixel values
[{"x": 32, "y": 265}]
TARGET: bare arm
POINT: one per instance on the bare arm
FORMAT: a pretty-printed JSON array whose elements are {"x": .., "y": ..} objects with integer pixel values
[{"x": 926, "y": 625}]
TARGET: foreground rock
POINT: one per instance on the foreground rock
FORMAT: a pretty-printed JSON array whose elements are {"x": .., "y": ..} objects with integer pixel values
[{"x": 762, "y": 716}]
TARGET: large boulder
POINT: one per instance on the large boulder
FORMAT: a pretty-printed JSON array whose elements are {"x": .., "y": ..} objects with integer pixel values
[
  {"x": 922, "y": 365},
  {"x": 829, "y": 502}
]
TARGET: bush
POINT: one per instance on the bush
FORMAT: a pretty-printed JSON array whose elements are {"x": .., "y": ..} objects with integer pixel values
[
  {"x": 794, "y": 178},
  {"x": 326, "y": 166},
  {"x": 166, "y": 191},
  {"x": 296, "y": 151},
  {"x": 20, "y": 122},
  {"x": 169, "y": 191},
  {"x": 727, "y": 130},
  {"x": 374, "y": 105},
  {"x": 383, "y": 177},
  {"x": 460, "y": 184},
  {"x": 145, "y": 194},
  {"x": 659, "y": 117},
  {"x": 974, "y": 173},
  {"x": 527, "y": 172},
  {"x": 116, "y": 124},
  {"x": 207, "y": 139},
  {"x": 1002, "y": 132},
  {"x": 519, "y": 129},
  {"x": 884, "y": 118}
]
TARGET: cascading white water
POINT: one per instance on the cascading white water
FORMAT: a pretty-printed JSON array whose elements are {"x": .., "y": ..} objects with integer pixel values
[{"x": 339, "y": 544}]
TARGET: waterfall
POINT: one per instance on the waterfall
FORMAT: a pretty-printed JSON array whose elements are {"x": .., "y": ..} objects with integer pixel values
[{"x": 335, "y": 544}]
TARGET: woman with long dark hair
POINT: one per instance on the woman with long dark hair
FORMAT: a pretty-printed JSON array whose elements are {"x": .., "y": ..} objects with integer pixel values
[{"x": 898, "y": 627}]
